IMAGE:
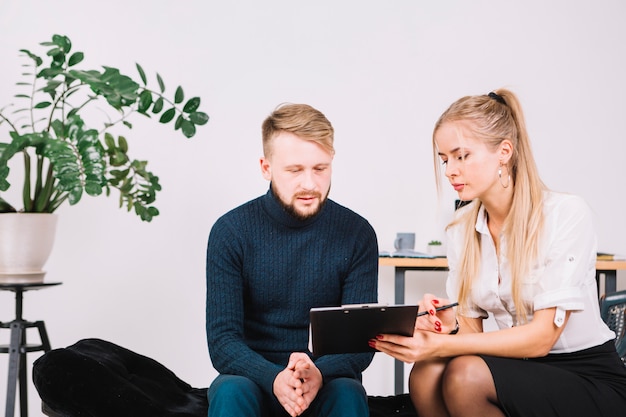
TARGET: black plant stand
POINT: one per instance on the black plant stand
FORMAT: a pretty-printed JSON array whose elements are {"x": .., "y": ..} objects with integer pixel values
[{"x": 18, "y": 347}]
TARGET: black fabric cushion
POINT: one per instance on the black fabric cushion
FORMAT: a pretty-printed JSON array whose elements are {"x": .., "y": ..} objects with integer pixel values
[{"x": 96, "y": 378}]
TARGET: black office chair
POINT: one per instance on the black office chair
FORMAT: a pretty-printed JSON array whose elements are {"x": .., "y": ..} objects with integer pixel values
[{"x": 613, "y": 312}]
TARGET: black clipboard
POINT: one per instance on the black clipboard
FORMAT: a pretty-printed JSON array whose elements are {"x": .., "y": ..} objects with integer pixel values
[{"x": 347, "y": 329}]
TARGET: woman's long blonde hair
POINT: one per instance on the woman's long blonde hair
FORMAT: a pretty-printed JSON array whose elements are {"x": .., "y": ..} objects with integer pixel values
[{"x": 494, "y": 118}]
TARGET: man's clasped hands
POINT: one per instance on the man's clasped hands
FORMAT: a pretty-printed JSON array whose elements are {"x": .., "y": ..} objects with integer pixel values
[{"x": 297, "y": 385}]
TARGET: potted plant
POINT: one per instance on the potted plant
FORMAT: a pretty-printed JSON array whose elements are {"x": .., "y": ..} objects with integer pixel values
[
  {"x": 60, "y": 127},
  {"x": 435, "y": 248}
]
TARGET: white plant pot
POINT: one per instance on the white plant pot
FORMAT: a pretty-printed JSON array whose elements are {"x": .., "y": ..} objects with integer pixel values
[
  {"x": 436, "y": 250},
  {"x": 26, "y": 241}
]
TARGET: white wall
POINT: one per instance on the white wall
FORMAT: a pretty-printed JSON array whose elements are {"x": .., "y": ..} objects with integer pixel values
[{"x": 382, "y": 71}]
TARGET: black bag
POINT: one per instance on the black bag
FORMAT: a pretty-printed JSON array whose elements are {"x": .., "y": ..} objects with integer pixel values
[
  {"x": 396, "y": 405},
  {"x": 96, "y": 378}
]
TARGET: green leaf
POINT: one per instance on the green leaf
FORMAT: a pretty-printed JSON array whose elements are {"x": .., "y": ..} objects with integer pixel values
[
  {"x": 145, "y": 101},
  {"x": 109, "y": 140},
  {"x": 5, "y": 207},
  {"x": 179, "y": 96},
  {"x": 93, "y": 189},
  {"x": 168, "y": 116},
  {"x": 188, "y": 128},
  {"x": 55, "y": 52},
  {"x": 76, "y": 58},
  {"x": 118, "y": 158},
  {"x": 192, "y": 105},
  {"x": 158, "y": 105},
  {"x": 119, "y": 90},
  {"x": 38, "y": 61},
  {"x": 81, "y": 166},
  {"x": 42, "y": 105},
  {"x": 142, "y": 74},
  {"x": 51, "y": 86},
  {"x": 179, "y": 122},
  {"x": 48, "y": 73},
  {"x": 161, "y": 83},
  {"x": 198, "y": 118},
  {"x": 126, "y": 186},
  {"x": 123, "y": 144},
  {"x": 63, "y": 42},
  {"x": 74, "y": 195}
]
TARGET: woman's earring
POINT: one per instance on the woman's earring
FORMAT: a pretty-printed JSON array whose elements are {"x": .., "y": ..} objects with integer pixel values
[{"x": 500, "y": 178}]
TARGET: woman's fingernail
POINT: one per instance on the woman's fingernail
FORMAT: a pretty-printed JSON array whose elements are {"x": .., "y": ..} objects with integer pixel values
[
  {"x": 372, "y": 343},
  {"x": 435, "y": 301},
  {"x": 379, "y": 336},
  {"x": 438, "y": 328},
  {"x": 438, "y": 324},
  {"x": 431, "y": 312}
]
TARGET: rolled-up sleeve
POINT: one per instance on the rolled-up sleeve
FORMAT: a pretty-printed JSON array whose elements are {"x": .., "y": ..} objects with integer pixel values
[{"x": 568, "y": 257}]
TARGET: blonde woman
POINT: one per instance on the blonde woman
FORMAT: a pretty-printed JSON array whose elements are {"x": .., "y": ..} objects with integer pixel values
[{"x": 526, "y": 255}]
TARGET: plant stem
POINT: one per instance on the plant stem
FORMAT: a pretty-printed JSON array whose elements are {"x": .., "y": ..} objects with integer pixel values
[
  {"x": 28, "y": 202},
  {"x": 56, "y": 200},
  {"x": 42, "y": 204}
]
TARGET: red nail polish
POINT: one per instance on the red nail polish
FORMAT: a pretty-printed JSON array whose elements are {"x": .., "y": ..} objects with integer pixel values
[
  {"x": 379, "y": 336},
  {"x": 431, "y": 312},
  {"x": 435, "y": 301},
  {"x": 372, "y": 344},
  {"x": 438, "y": 328},
  {"x": 438, "y": 324}
]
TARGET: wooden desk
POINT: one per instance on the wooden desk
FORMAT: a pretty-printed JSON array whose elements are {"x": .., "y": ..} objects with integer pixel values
[{"x": 606, "y": 269}]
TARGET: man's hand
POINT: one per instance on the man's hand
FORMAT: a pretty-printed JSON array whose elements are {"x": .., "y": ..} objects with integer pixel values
[
  {"x": 309, "y": 375},
  {"x": 296, "y": 386}
]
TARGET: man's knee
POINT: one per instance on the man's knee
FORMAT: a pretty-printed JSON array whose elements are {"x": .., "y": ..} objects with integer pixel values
[
  {"x": 343, "y": 397},
  {"x": 230, "y": 394}
]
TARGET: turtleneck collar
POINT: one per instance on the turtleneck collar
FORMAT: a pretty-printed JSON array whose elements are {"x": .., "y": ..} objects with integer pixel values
[{"x": 276, "y": 211}]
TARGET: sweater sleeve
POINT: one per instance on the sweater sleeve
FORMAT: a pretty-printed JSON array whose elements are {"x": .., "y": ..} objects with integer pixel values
[
  {"x": 225, "y": 311},
  {"x": 360, "y": 286}
]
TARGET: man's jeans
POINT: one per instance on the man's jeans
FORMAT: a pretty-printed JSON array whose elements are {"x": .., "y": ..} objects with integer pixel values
[{"x": 237, "y": 396}]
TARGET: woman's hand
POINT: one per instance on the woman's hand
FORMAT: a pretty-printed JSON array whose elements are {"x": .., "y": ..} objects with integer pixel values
[
  {"x": 442, "y": 322},
  {"x": 422, "y": 346}
]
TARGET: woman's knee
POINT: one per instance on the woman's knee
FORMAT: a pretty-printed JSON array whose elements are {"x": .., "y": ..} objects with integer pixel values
[
  {"x": 464, "y": 371},
  {"x": 468, "y": 378}
]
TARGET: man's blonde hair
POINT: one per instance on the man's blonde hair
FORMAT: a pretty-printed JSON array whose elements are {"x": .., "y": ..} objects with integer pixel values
[{"x": 303, "y": 121}]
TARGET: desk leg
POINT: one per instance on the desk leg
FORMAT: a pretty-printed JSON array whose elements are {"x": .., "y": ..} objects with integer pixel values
[
  {"x": 610, "y": 281},
  {"x": 399, "y": 299}
]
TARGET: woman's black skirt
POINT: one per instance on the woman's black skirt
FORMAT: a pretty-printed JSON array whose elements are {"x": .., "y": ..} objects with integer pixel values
[{"x": 588, "y": 383}]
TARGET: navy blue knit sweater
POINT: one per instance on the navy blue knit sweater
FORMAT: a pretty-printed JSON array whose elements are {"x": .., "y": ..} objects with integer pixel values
[{"x": 265, "y": 270}]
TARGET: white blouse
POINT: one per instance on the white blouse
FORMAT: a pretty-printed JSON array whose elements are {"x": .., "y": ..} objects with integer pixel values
[{"x": 562, "y": 277}]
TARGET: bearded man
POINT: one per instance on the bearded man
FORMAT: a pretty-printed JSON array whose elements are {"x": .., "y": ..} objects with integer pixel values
[{"x": 272, "y": 259}]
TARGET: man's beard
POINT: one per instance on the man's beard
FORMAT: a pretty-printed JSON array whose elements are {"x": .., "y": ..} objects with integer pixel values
[{"x": 291, "y": 208}]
